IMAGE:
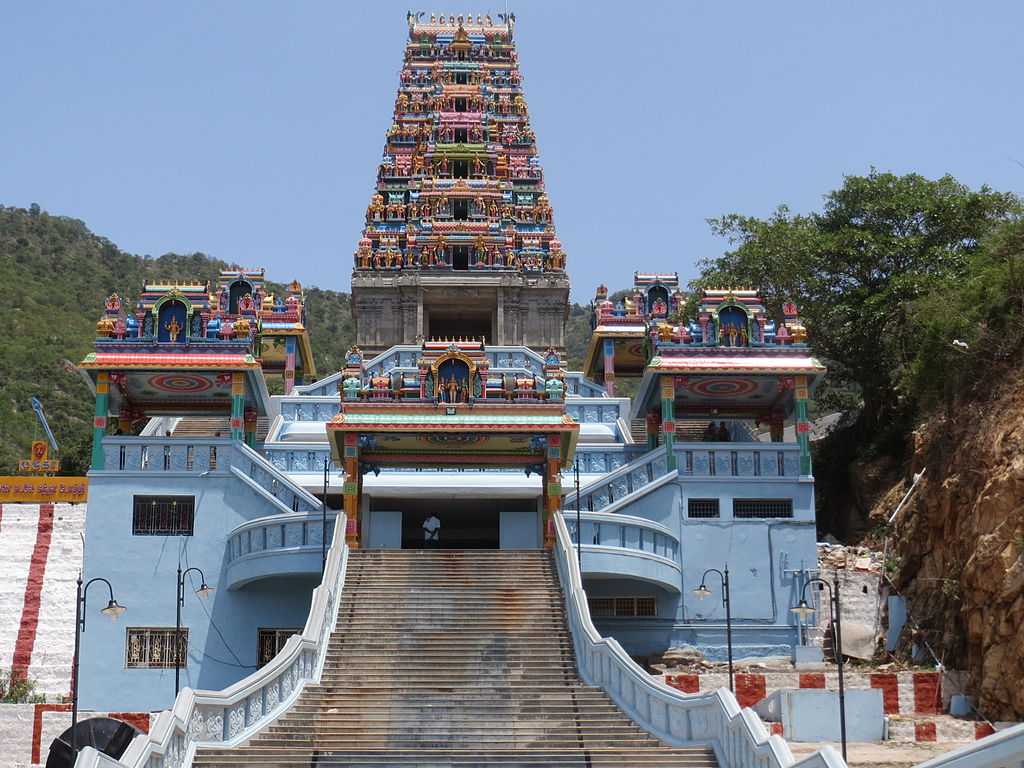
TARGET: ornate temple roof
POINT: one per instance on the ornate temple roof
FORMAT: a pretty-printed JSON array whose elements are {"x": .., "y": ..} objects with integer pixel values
[{"x": 460, "y": 186}]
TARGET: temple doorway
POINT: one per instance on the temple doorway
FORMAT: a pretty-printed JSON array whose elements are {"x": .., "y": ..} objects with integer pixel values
[{"x": 454, "y": 523}]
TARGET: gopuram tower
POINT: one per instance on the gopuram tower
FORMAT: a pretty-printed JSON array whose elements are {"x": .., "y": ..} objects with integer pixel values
[{"x": 459, "y": 240}]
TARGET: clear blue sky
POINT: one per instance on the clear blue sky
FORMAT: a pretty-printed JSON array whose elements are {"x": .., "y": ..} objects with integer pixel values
[{"x": 252, "y": 130}]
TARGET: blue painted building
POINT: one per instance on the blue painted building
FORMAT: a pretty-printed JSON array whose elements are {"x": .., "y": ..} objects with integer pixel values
[{"x": 460, "y": 411}]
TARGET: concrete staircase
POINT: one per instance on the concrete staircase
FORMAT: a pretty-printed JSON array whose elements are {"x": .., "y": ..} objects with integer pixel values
[{"x": 453, "y": 658}]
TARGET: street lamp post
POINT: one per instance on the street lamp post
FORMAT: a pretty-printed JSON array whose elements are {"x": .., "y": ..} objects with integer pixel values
[
  {"x": 323, "y": 523},
  {"x": 804, "y": 611},
  {"x": 113, "y": 610},
  {"x": 204, "y": 592},
  {"x": 579, "y": 531},
  {"x": 702, "y": 591}
]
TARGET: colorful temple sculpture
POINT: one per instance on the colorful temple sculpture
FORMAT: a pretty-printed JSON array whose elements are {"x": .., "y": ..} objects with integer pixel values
[
  {"x": 620, "y": 327},
  {"x": 460, "y": 238},
  {"x": 453, "y": 424}
]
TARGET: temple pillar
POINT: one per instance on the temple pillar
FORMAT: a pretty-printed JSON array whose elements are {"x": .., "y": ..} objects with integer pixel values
[
  {"x": 250, "y": 427},
  {"x": 653, "y": 423},
  {"x": 499, "y": 320},
  {"x": 803, "y": 426},
  {"x": 552, "y": 488},
  {"x": 350, "y": 489},
  {"x": 289, "y": 364},
  {"x": 237, "y": 405},
  {"x": 99, "y": 421},
  {"x": 668, "y": 419},
  {"x": 609, "y": 367}
]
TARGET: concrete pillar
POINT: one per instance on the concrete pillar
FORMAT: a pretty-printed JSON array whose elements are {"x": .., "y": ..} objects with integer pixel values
[
  {"x": 668, "y": 419},
  {"x": 289, "y": 364},
  {"x": 609, "y": 367},
  {"x": 419, "y": 314},
  {"x": 350, "y": 488},
  {"x": 237, "y": 405},
  {"x": 803, "y": 426},
  {"x": 99, "y": 421}
]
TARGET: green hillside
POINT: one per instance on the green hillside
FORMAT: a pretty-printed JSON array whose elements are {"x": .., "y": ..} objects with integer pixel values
[{"x": 57, "y": 274}]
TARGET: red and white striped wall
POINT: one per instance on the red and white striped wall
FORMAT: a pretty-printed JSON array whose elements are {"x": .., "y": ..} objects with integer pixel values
[
  {"x": 903, "y": 693},
  {"x": 41, "y": 548}
]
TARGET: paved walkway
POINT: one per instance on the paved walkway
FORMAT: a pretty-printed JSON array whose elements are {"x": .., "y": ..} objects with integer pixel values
[{"x": 882, "y": 755}]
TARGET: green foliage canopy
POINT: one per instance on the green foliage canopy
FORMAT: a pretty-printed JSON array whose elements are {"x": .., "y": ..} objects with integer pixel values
[{"x": 861, "y": 268}]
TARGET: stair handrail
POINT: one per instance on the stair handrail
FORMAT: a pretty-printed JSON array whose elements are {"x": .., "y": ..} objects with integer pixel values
[
  {"x": 607, "y": 479},
  {"x": 1002, "y": 748},
  {"x": 737, "y": 734},
  {"x": 235, "y": 714},
  {"x": 296, "y": 489}
]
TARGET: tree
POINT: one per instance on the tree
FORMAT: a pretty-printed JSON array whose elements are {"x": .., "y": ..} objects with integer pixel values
[{"x": 880, "y": 243}]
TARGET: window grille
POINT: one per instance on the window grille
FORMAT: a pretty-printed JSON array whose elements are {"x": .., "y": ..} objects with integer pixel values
[
  {"x": 622, "y": 607},
  {"x": 153, "y": 648},
  {"x": 646, "y": 606},
  {"x": 762, "y": 508},
  {"x": 163, "y": 515},
  {"x": 707, "y": 508},
  {"x": 271, "y": 641}
]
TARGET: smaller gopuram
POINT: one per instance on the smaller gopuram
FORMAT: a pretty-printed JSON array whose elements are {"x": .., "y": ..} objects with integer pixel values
[
  {"x": 452, "y": 413},
  {"x": 177, "y": 354},
  {"x": 617, "y": 345},
  {"x": 732, "y": 362}
]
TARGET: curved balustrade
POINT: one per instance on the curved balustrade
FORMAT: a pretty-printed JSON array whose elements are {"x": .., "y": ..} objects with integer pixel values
[
  {"x": 627, "y": 546},
  {"x": 279, "y": 545},
  {"x": 624, "y": 481},
  {"x": 235, "y": 714},
  {"x": 738, "y": 736},
  {"x": 751, "y": 459}
]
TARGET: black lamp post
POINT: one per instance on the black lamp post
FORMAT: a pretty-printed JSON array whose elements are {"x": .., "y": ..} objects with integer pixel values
[
  {"x": 579, "y": 531},
  {"x": 702, "y": 591},
  {"x": 113, "y": 610},
  {"x": 323, "y": 523},
  {"x": 804, "y": 611},
  {"x": 204, "y": 592}
]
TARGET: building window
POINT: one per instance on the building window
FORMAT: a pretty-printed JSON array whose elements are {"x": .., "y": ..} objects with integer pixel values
[
  {"x": 707, "y": 508},
  {"x": 153, "y": 648},
  {"x": 622, "y": 607},
  {"x": 163, "y": 515},
  {"x": 271, "y": 641},
  {"x": 762, "y": 508}
]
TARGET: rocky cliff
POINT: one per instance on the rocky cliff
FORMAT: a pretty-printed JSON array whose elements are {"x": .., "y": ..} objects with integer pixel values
[{"x": 958, "y": 546}]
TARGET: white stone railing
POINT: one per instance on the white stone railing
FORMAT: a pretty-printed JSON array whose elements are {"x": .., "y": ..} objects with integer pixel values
[
  {"x": 615, "y": 486},
  {"x": 738, "y": 736},
  {"x": 1004, "y": 749},
  {"x": 229, "y": 717}
]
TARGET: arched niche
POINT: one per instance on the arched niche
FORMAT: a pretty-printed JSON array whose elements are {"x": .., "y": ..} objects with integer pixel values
[
  {"x": 733, "y": 326},
  {"x": 454, "y": 378},
  {"x": 173, "y": 319},
  {"x": 236, "y": 291},
  {"x": 657, "y": 293}
]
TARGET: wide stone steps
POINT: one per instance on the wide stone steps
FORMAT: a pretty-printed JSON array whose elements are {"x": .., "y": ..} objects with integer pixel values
[
  {"x": 454, "y": 659},
  {"x": 693, "y": 757}
]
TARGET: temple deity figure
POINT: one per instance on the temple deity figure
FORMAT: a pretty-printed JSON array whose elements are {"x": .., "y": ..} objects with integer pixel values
[{"x": 173, "y": 328}]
